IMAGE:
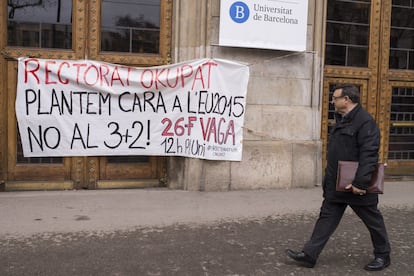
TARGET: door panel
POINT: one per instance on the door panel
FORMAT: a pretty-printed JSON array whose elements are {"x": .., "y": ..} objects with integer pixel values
[
  {"x": 135, "y": 34},
  {"x": 400, "y": 150},
  {"x": 130, "y": 32},
  {"x": 347, "y": 33},
  {"x": 132, "y": 166},
  {"x": 396, "y": 103},
  {"x": 20, "y": 168},
  {"x": 32, "y": 29}
]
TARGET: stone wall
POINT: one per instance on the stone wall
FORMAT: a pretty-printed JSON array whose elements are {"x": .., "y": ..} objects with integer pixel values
[{"x": 282, "y": 146}]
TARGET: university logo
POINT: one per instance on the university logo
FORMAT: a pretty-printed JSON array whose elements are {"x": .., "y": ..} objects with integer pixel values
[{"x": 239, "y": 12}]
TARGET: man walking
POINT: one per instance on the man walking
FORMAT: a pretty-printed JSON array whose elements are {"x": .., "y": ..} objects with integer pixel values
[{"x": 355, "y": 137}]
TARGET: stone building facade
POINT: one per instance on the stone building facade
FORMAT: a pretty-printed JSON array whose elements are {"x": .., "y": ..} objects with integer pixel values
[{"x": 282, "y": 139}]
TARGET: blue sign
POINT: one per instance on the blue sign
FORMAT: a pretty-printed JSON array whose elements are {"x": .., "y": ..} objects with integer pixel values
[{"x": 239, "y": 12}]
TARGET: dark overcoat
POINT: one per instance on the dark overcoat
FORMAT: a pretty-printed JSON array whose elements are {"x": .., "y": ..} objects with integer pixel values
[{"x": 355, "y": 137}]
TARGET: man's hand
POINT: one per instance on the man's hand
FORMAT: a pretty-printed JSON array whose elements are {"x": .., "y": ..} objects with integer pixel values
[{"x": 355, "y": 190}]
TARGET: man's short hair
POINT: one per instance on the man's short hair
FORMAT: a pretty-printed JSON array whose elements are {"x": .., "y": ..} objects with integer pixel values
[{"x": 349, "y": 90}]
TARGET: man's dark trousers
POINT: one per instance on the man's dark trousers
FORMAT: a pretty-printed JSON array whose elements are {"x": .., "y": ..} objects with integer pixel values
[{"x": 331, "y": 214}]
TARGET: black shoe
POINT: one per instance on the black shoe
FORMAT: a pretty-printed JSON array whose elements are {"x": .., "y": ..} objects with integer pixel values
[
  {"x": 301, "y": 258},
  {"x": 378, "y": 264}
]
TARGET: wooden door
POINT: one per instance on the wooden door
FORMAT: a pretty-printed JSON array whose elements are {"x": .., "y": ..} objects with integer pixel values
[
  {"x": 369, "y": 43},
  {"x": 72, "y": 30},
  {"x": 396, "y": 85}
]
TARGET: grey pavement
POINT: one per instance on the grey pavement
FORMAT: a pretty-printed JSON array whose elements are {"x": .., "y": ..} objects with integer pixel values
[
  {"x": 28, "y": 213},
  {"x": 173, "y": 232}
]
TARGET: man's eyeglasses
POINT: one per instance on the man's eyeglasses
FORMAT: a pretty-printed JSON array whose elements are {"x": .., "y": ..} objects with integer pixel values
[{"x": 334, "y": 98}]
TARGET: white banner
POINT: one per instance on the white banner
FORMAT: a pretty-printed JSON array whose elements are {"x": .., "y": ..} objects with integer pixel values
[
  {"x": 90, "y": 108},
  {"x": 267, "y": 24}
]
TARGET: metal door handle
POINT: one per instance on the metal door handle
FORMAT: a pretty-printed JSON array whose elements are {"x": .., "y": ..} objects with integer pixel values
[{"x": 402, "y": 124}]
